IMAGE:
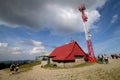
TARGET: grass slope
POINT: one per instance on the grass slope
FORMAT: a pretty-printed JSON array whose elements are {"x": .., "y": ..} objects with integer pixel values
[{"x": 26, "y": 67}]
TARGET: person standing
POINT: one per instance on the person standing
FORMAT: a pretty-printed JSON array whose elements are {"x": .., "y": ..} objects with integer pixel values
[
  {"x": 116, "y": 56},
  {"x": 100, "y": 59},
  {"x": 106, "y": 59},
  {"x": 112, "y": 55}
]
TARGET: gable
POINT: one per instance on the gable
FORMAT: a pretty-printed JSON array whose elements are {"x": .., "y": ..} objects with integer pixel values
[
  {"x": 76, "y": 51},
  {"x": 67, "y": 52}
]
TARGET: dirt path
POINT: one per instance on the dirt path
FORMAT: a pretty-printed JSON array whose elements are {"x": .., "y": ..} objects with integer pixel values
[{"x": 93, "y": 72}]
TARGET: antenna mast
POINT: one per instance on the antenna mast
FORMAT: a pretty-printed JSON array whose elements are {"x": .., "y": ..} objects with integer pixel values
[{"x": 91, "y": 56}]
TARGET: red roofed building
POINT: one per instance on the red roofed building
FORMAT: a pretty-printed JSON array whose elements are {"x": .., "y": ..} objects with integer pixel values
[{"x": 67, "y": 52}]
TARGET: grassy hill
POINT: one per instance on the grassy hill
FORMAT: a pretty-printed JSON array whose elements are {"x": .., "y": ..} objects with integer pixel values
[
  {"x": 26, "y": 66},
  {"x": 95, "y": 71}
]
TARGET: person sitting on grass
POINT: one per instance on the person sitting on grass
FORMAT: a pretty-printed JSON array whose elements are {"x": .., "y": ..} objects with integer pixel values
[{"x": 16, "y": 67}]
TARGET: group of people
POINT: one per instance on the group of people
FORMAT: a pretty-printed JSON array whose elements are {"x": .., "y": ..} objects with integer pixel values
[
  {"x": 115, "y": 56},
  {"x": 14, "y": 67},
  {"x": 103, "y": 58}
]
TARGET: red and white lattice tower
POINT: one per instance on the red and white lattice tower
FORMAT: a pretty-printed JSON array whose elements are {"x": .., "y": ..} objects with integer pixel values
[{"x": 91, "y": 56}]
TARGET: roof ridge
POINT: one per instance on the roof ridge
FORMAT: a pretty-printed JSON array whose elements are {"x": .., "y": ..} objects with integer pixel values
[{"x": 71, "y": 50}]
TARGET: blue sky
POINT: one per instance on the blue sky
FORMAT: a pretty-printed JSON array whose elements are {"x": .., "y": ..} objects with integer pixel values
[{"x": 31, "y": 28}]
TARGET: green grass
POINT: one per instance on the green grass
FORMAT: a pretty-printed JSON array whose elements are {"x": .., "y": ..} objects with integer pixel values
[
  {"x": 51, "y": 66},
  {"x": 26, "y": 67}
]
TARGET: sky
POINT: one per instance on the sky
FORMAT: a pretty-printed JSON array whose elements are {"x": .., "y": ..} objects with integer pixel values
[{"x": 29, "y": 28}]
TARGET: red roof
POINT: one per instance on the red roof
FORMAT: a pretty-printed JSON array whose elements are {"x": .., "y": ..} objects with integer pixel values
[{"x": 67, "y": 52}]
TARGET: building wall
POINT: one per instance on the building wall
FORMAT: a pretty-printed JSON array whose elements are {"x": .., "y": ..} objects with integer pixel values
[
  {"x": 44, "y": 62},
  {"x": 68, "y": 64}
]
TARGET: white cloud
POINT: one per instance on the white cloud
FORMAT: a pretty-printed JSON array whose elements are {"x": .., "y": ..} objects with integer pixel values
[
  {"x": 30, "y": 43},
  {"x": 38, "y": 47},
  {"x": 68, "y": 20},
  {"x": 36, "y": 43},
  {"x": 16, "y": 50},
  {"x": 94, "y": 16},
  {"x": 60, "y": 16},
  {"x": 22, "y": 48},
  {"x": 65, "y": 19},
  {"x": 114, "y": 18},
  {"x": 10, "y": 50},
  {"x": 36, "y": 50},
  {"x": 3, "y": 44},
  {"x": 31, "y": 46}
]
